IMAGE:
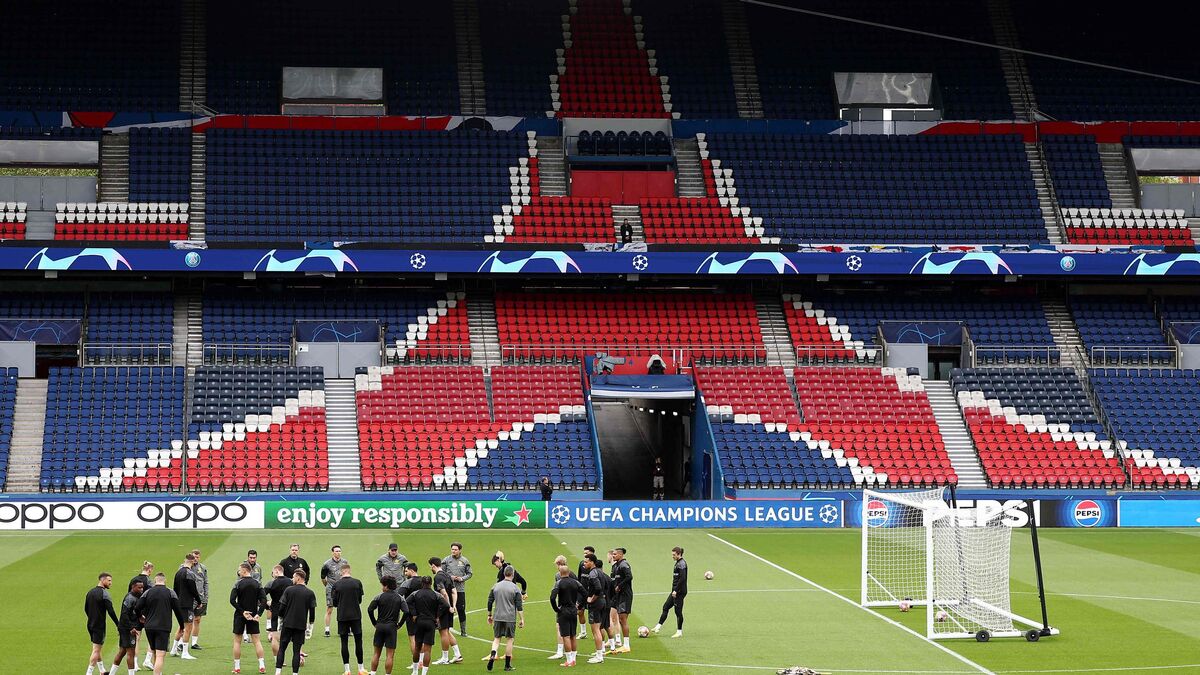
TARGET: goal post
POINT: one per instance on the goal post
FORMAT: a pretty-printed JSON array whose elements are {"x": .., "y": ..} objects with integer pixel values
[{"x": 918, "y": 551}]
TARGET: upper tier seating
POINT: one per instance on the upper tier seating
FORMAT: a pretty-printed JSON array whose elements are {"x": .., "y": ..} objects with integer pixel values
[
  {"x": 249, "y": 45},
  {"x": 258, "y": 429},
  {"x": 1175, "y": 309},
  {"x": 86, "y": 56},
  {"x": 357, "y": 185},
  {"x": 143, "y": 319},
  {"x": 904, "y": 189},
  {"x": 429, "y": 427},
  {"x": 1120, "y": 330},
  {"x": 38, "y": 306},
  {"x": 559, "y": 326},
  {"x": 689, "y": 44},
  {"x": 12, "y": 220},
  {"x": 798, "y": 54},
  {"x": 1016, "y": 325},
  {"x": 1151, "y": 227},
  {"x": 121, "y": 221},
  {"x": 417, "y": 326},
  {"x": 160, "y": 164},
  {"x": 1154, "y": 413},
  {"x": 1075, "y": 168},
  {"x": 606, "y": 73},
  {"x": 1035, "y": 427},
  {"x": 107, "y": 427},
  {"x": 1074, "y": 91},
  {"x": 516, "y": 71},
  {"x": 8, "y": 402}
]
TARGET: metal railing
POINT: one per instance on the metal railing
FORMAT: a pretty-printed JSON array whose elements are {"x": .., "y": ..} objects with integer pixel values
[
  {"x": 1149, "y": 356},
  {"x": 680, "y": 355},
  {"x": 396, "y": 354},
  {"x": 105, "y": 353},
  {"x": 250, "y": 354},
  {"x": 1015, "y": 355},
  {"x": 829, "y": 355}
]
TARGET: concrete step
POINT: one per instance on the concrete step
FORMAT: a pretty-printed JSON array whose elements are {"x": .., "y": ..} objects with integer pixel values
[
  {"x": 775, "y": 333},
  {"x": 628, "y": 215},
  {"x": 341, "y": 430},
  {"x": 955, "y": 435},
  {"x": 29, "y": 426}
]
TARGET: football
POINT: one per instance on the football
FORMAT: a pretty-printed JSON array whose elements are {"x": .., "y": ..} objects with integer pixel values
[
  {"x": 942, "y": 615},
  {"x": 905, "y": 606},
  {"x": 708, "y": 575},
  {"x": 643, "y": 631}
]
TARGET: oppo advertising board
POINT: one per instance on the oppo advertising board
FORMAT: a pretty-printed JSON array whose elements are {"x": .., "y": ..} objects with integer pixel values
[{"x": 132, "y": 515}]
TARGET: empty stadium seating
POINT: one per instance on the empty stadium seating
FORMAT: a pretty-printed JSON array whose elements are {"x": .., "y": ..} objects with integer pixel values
[
  {"x": 12, "y": 220},
  {"x": 51, "y": 305},
  {"x": 516, "y": 72},
  {"x": 1127, "y": 226},
  {"x": 1119, "y": 330},
  {"x": 129, "y": 328},
  {"x": 1035, "y": 427},
  {"x": 1153, "y": 414},
  {"x": 1075, "y": 169},
  {"x": 558, "y": 326},
  {"x": 8, "y": 401},
  {"x": 636, "y": 143},
  {"x": 689, "y": 44},
  {"x": 121, "y": 221},
  {"x": 558, "y": 219},
  {"x": 365, "y": 185},
  {"x": 107, "y": 428},
  {"x": 697, "y": 220},
  {"x": 160, "y": 164},
  {"x": 605, "y": 71},
  {"x": 257, "y": 428},
  {"x": 820, "y": 339},
  {"x": 430, "y": 428},
  {"x": 866, "y": 188}
]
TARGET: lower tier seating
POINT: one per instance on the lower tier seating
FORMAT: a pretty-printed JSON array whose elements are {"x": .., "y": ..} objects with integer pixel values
[
  {"x": 8, "y": 402},
  {"x": 12, "y": 220},
  {"x": 1036, "y": 428}
]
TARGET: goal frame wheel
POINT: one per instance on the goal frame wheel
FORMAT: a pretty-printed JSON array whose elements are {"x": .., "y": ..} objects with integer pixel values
[
  {"x": 983, "y": 636},
  {"x": 1033, "y": 635}
]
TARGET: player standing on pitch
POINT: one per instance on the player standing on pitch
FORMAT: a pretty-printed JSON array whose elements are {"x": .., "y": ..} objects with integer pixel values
[
  {"x": 392, "y": 608},
  {"x": 275, "y": 589},
  {"x": 255, "y": 574},
  {"x": 410, "y": 585},
  {"x": 188, "y": 591},
  {"x": 128, "y": 627},
  {"x": 249, "y": 600},
  {"x": 509, "y": 615},
  {"x": 297, "y": 612},
  {"x": 565, "y": 598},
  {"x": 622, "y": 579},
  {"x": 391, "y": 564},
  {"x": 331, "y": 571},
  {"x": 347, "y": 597},
  {"x": 598, "y": 586},
  {"x": 147, "y": 578},
  {"x": 426, "y": 607},
  {"x": 581, "y": 572},
  {"x": 201, "y": 573},
  {"x": 560, "y": 561},
  {"x": 294, "y": 562},
  {"x": 156, "y": 607},
  {"x": 96, "y": 604},
  {"x": 443, "y": 585},
  {"x": 459, "y": 569},
  {"x": 678, "y": 592}
]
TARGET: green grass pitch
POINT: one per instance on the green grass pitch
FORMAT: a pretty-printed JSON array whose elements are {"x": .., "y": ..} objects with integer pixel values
[{"x": 1126, "y": 601}]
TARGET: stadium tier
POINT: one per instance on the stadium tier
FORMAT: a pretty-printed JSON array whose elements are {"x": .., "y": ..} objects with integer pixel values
[
  {"x": 518, "y": 73},
  {"x": 1120, "y": 331},
  {"x": 1075, "y": 167},
  {"x": 160, "y": 164},
  {"x": 1035, "y": 427},
  {"x": 142, "y": 322},
  {"x": 8, "y": 400},
  {"x": 1154, "y": 414},
  {"x": 430, "y": 427}
]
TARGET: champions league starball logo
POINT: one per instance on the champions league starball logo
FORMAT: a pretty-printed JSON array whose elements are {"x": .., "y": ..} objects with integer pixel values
[
  {"x": 561, "y": 515},
  {"x": 417, "y": 260},
  {"x": 640, "y": 263},
  {"x": 854, "y": 263},
  {"x": 828, "y": 514}
]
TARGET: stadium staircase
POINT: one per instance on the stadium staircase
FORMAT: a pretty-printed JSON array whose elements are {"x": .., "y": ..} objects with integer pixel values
[
  {"x": 1066, "y": 335},
  {"x": 471, "y": 92},
  {"x": 180, "y": 331},
  {"x": 631, "y": 214},
  {"x": 689, "y": 174},
  {"x": 1045, "y": 193},
  {"x": 481, "y": 320},
  {"x": 113, "y": 182},
  {"x": 1116, "y": 174},
  {"x": 955, "y": 435},
  {"x": 199, "y": 193},
  {"x": 775, "y": 332},
  {"x": 29, "y": 428},
  {"x": 1016, "y": 72},
  {"x": 552, "y": 166},
  {"x": 341, "y": 428},
  {"x": 195, "y": 331},
  {"x": 741, "y": 60},
  {"x": 193, "y": 57}
]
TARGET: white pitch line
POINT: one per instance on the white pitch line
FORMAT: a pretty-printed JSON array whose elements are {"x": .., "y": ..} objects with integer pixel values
[
  {"x": 843, "y": 598},
  {"x": 1111, "y": 597},
  {"x": 1135, "y": 669}
]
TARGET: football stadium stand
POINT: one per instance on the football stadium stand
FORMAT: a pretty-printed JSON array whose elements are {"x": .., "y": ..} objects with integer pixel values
[
  {"x": 12, "y": 220},
  {"x": 1075, "y": 168},
  {"x": 160, "y": 164},
  {"x": 1120, "y": 331},
  {"x": 121, "y": 221},
  {"x": 1154, "y": 414}
]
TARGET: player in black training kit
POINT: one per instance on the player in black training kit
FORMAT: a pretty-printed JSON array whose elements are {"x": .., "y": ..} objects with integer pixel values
[
  {"x": 411, "y": 584},
  {"x": 297, "y": 611},
  {"x": 347, "y": 595},
  {"x": 426, "y": 608},
  {"x": 598, "y": 586},
  {"x": 444, "y": 585},
  {"x": 249, "y": 600},
  {"x": 565, "y": 599},
  {"x": 279, "y": 584},
  {"x": 96, "y": 604},
  {"x": 678, "y": 592},
  {"x": 157, "y": 607},
  {"x": 128, "y": 627},
  {"x": 147, "y": 579},
  {"x": 622, "y": 593},
  {"x": 392, "y": 608},
  {"x": 187, "y": 589}
]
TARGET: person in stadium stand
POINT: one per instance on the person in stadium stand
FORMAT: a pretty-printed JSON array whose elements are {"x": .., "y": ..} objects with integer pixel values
[
  {"x": 147, "y": 579},
  {"x": 249, "y": 600},
  {"x": 582, "y": 575},
  {"x": 391, "y": 608},
  {"x": 275, "y": 589},
  {"x": 391, "y": 564},
  {"x": 128, "y": 629},
  {"x": 459, "y": 569},
  {"x": 294, "y": 562},
  {"x": 297, "y": 612},
  {"x": 156, "y": 608},
  {"x": 622, "y": 593},
  {"x": 410, "y": 585},
  {"x": 597, "y": 585},
  {"x": 201, "y": 573},
  {"x": 506, "y": 613},
  {"x": 187, "y": 590},
  {"x": 347, "y": 597},
  {"x": 565, "y": 598},
  {"x": 443, "y": 585},
  {"x": 331, "y": 571},
  {"x": 426, "y": 607},
  {"x": 546, "y": 488},
  {"x": 678, "y": 593},
  {"x": 500, "y": 563},
  {"x": 96, "y": 604},
  {"x": 255, "y": 574}
]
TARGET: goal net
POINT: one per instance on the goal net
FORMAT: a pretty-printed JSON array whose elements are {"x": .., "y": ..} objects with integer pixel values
[{"x": 919, "y": 552}]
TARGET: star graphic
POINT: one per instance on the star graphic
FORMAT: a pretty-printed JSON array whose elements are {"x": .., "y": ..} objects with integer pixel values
[{"x": 520, "y": 517}]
